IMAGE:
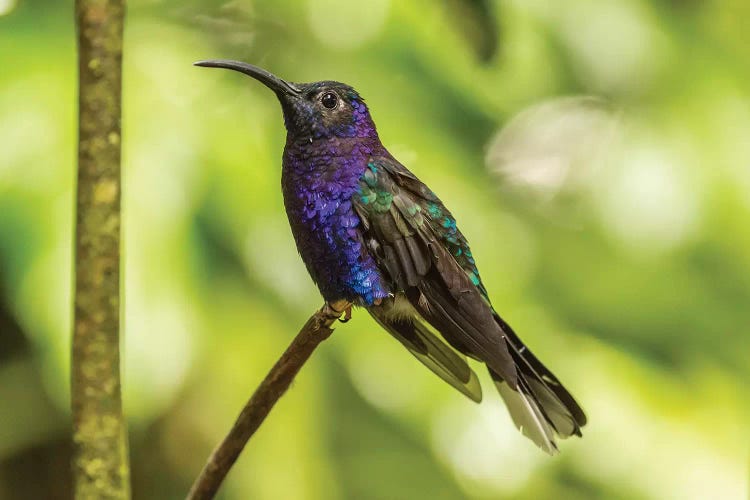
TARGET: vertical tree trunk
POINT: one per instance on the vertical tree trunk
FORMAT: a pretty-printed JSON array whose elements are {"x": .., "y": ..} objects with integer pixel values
[{"x": 100, "y": 459}]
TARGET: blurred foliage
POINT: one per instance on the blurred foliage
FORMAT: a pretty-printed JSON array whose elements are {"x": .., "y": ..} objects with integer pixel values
[{"x": 616, "y": 243}]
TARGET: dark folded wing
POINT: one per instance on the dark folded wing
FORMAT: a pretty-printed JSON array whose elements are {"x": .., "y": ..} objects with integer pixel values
[{"x": 416, "y": 243}]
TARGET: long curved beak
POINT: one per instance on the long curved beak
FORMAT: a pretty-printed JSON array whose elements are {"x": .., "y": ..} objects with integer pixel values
[{"x": 273, "y": 82}]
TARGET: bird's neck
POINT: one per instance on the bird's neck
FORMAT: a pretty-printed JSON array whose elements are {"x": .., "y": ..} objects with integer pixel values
[
  {"x": 322, "y": 172},
  {"x": 326, "y": 155}
]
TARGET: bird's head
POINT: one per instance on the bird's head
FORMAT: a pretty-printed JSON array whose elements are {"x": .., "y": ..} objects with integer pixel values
[{"x": 312, "y": 111}]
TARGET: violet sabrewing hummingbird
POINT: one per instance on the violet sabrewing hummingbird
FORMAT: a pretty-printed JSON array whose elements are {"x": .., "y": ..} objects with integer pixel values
[{"x": 372, "y": 234}]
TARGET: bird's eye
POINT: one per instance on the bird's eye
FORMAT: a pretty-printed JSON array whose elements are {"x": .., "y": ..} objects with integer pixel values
[{"x": 329, "y": 100}]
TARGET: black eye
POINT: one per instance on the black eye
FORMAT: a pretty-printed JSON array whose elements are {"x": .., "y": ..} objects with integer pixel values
[{"x": 329, "y": 100}]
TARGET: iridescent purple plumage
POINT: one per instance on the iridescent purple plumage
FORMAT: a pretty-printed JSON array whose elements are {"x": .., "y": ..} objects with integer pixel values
[{"x": 321, "y": 173}]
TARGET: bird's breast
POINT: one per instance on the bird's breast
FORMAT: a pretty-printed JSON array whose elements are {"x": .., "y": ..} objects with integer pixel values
[{"x": 326, "y": 229}]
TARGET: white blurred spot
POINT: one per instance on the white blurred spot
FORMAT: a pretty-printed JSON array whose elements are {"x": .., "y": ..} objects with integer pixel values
[
  {"x": 648, "y": 203},
  {"x": 6, "y": 6},
  {"x": 633, "y": 445},
  {"x": 613, "y": 43},
  {"x": 484, "y": 449},
  {"x": 156, "y": 195},
  {"x": 158, "y": 349},
  {"x": 345, "y": 24},
  {"x": 552, "y": 146},
  {"x": 29, "y": 133}
]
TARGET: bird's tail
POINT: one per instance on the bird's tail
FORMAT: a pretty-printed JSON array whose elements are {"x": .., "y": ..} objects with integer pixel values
[{"x": 539, "y": 406}]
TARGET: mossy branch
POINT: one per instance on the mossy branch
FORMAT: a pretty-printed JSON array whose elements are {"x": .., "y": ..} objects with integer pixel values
[
  {"x": 315, "y": 331},
  {"x": 100, "y": 462}
]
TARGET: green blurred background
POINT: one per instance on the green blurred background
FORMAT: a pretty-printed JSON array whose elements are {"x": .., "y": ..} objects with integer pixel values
[{"x": 598, "y": 161}]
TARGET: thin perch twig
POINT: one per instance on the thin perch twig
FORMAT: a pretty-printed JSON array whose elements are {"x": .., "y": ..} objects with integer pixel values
[
  {"x": 316, "y": 330},
  {"x": 100, "y": 456}
]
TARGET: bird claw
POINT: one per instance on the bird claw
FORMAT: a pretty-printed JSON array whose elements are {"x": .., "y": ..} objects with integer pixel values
[{"x": 347, "y": 315}]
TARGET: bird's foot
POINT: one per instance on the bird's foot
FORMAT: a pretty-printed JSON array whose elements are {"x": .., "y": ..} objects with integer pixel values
[
  {"x": 347, "y": 314},
  {"x": 334, "y": 310}
]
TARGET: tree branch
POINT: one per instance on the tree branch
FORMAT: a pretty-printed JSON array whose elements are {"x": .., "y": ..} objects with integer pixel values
[
  {"x": 316, "y": 330},
  {"x": 100, "y": 462}
]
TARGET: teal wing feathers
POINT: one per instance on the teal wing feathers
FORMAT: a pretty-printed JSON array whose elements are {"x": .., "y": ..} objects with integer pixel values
[{"x": 417, "y": 249}]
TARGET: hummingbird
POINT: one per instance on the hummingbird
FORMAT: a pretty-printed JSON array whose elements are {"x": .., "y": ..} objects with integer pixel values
[{"x": 372, "y": 234}]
